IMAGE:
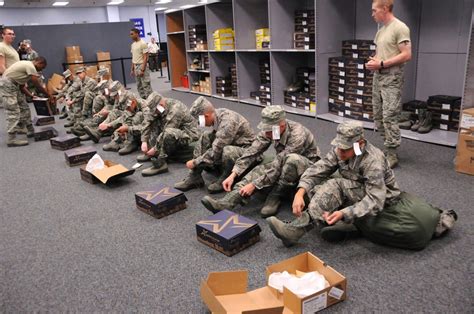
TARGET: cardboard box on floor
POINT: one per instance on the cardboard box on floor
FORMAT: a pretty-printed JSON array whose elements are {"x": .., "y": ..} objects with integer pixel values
[
  {"x": 226, "y": 292},
  {"x": 103, "y": 55},
  {"x": 465, "y": 147},
  {"x": 160, "y": 200},
  {"x": 112, "y": 172}
]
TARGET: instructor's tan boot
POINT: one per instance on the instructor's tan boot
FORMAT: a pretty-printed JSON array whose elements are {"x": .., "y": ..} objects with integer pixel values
[{"x": 12, "y": 141}]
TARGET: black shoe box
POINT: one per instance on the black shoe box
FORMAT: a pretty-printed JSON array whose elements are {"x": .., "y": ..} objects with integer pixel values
[
  {"x": 336, "y": 95},
  {"x": 46, "y": 133},
  {"x": 79, "y": 155},
  {"x": 359, "y": 90},
  {"x": 160, "y": 201},
  {"x": 358, "y": 82},
  {"x": 357, "y": 99},
  {"x": 359, "y": 44},
  {"x": 358, "y": 54},
  {"x": 338, "y": 88},
  {"x": 304, "y": 45},
  {"x": 43, "y": 120},
  {"x": 336, "y": 79},
  {"x": 351, "y": 106},
  {"x": 444, "y": 102},
  {"x": 359, "y": 74},
  {"x": 65, "y": 142}
]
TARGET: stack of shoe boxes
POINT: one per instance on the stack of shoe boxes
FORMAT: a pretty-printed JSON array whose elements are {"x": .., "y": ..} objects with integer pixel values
[
  {"x": 205, "y": 85},
  {"x": 224, "y": 86},
  {"x": 305, "y": 98},
  {"x": 205, "y": 61},
  {"x": 223, "y": 39},
  {"x": 233, "y": 78},
  {"x": 264, "y": 93},
  {"x": 304, "y": 37},
  {"x": 445, "y": 111},
  {"x": 197, "y": 37},
  {"x": 350, "y": 83},
  {"x": 262, "y": 38}
]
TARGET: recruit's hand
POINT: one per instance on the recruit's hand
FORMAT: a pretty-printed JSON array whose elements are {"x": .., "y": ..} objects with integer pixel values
[
  {"x": 123, "y": 129},
  {"x": 334, "y": 217},
  {"x": 190, "y": 164},
  {"x": 247, "y": 190},
  {"x": 151, "y": 152},
  {"x": 103, "y": 126},
  {"x": 227, "y": 184},
  {"x": 144, "y": 147},
  {"x": 298, "y": 205}
]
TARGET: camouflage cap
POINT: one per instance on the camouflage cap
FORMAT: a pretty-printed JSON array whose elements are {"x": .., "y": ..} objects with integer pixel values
[
  {"x": 114, "y": 87},
  {"x": 101, "y": 85},
  {"x": 348, "y": 132},
  {"x": 102, "y": 71},
  {"x": 80, "y": 70},
  {"x": 199, "y": 105},
  {"x": 153, "y": 99},
  {"x": 271, "y": 116},
  {"x": 67, "y": 73}
]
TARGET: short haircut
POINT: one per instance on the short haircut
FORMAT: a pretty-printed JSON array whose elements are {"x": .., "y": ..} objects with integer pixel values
[
  {"x": 135, "y": 30},
  {"x": 387, "y": 3},
  {"x": 41, "y": 60},
  {"x": 5, "y": 28}
]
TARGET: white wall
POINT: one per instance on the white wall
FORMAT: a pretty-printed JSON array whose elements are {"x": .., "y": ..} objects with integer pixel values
[
  {"x": 162, "y": 24},
  {"x": 49, "y": 16}
]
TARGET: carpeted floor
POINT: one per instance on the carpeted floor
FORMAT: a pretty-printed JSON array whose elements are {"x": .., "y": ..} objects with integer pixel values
[{"x": 66, "y": 245}]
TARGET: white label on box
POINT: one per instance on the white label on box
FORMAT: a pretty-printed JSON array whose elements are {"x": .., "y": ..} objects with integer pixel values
[
  {"x": 355, "y": 56},
  {"x": 341, "y": 98},
  {"x": 267, "y": 71},
  {"x": 293, "y": 104},
  {"x": 305, "y": 30},
  {"x": 306, "y": 74},
  {"x": 341, "y": 90},
  {"x": 306, "y": 47},
  {"x": 304, "y": 23},
  {"x": 444, "y": 117},
  {"x": 266, "y": 65},
  {"x": 306, "y": 108},
  {"x": 269, "y": 96},
  {"x": 366, "y": 115},
  {"x": 360, "y": 92},
  {"x": 341, "y": 73},
  {"x": 337, "y": 293},
  {"x": 360, "y": 66},
  {"x": 360, "y": 83},
  {"x": 467, "y": 121},
  {"x": 443, "y": 127},
  {"x": 416, "y": 111},
  {"x": 306, "y": 100},
  {"x": 340, "y": 64},
  {"x": 359, "y": 101},
  {"x": 348, "y": 104},
  {"x": 354, "y": 46},
  {"x": 306, "y": 39},
  {"x": 306, "y": 89},
  {"x": 315, "y": 304},
  {"x": 257, "y": 97},
  {"x": 268, "y": 78},
  {"x": 222, "y": 88},
  {"x": 293, "y": 97},
  {"x": 446, "y": 106},
  {"x": 331, "y": 100},
  {"x": 267, "y": 89},
  {"x": 348, "y": 112},
  {"x": 223, "y": 81},
  {"x": 306, "y": 81},
  {"x": 194, "y": 29},
  {"x": 305, "y": 14},
  {"x": 372, "y": 47},
  {"x": 360, "y": 75},
  {"x": 340, "y": 113},
  {"x": 342, "y": 81}
]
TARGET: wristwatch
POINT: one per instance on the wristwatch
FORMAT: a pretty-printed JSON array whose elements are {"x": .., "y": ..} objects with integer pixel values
[{"x": 381, "y": 64}]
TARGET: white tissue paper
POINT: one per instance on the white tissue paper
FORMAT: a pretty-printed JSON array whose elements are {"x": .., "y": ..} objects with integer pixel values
[
  {"x": 95, "y": 163},
  {"x": 276, "y": 132},
  {"x": 303, "y": 286},
  {"x": 202, "y": 121}
]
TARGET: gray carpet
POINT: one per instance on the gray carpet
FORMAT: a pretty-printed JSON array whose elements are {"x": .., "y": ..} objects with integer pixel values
[{"x": 66, "y": 245}]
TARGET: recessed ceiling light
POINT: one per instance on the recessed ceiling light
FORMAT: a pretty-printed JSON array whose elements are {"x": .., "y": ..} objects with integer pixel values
[
  {"x": 2, "y": 3},
  {"x": 161, "y": 9},
  {"x": 202, "y": 1},
  {"x": 187, "y": 6},
  {"x": 60, "y": 3},
  {"x": 170, "y": 10},
  {"x": 115, "y": 2},
  {"x": 163, "y": 1}
]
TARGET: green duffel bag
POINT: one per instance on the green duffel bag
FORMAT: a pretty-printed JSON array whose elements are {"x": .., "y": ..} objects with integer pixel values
[{"x": 409, "y": 223}]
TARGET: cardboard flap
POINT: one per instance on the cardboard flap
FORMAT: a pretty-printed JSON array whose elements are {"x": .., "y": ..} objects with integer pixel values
[
  {"x": 219, "y": 282},
  {"x": 210, "y": 299},
  {"x": 113, "y": 172}
]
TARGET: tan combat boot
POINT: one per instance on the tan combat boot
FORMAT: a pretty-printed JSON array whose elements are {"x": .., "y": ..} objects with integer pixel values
[{"x": 12, "y": 141}]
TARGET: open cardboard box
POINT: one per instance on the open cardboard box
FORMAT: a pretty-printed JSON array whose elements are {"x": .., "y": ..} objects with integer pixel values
[
  {"x": 111, "y": 172},
  {"x": 226, "y": 292}
]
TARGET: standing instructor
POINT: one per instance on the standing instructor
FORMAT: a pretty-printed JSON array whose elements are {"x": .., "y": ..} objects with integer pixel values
[
  {"x": 392, "y": 52},
  {"x": 140, "y": 70}
]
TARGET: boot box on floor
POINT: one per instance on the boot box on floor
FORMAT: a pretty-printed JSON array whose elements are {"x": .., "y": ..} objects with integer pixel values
[
  {"x": 160, "y": 201},
  {"x": 465, "y": 152},
  {"x": 222, "y": 297},
  {"x": 111, "y": 173},
  {"x": 65, "y": 142},
  {"x": 79, "y": 155},
  {"x": 43, "y": 120},
  {"x": 228, "y": 232},
  {"x": 43, "y": 134},
  {"x": 42, "y": 107}
]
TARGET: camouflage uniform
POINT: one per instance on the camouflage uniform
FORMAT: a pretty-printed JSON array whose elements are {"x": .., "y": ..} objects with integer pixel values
[
  {"x": 143, "y": 82},
  {"x": 171, "y": 130},
  {"x": 219, "y": 148},
  {"x": 89, "y": 94},
  {"x": 367, "y": 194},
  {"x": 386, "y": 98},
  {"x": 296, "y": 151}
]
